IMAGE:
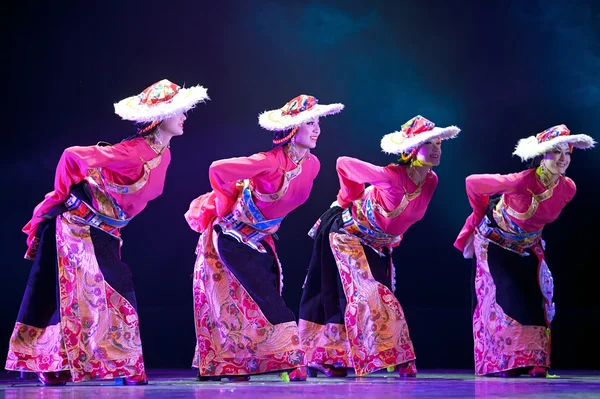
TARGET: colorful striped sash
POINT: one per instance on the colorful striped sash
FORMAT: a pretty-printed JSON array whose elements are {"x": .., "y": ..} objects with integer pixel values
[{"x": 246, "y": 223}]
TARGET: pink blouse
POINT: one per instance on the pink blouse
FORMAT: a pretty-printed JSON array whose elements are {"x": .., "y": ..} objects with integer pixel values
[
  {"x": 517, "y": 189},
  {"x": 121, "y": 163},
  {"x": 390, "y": 183},
  {"x": 265, "y": 171}
]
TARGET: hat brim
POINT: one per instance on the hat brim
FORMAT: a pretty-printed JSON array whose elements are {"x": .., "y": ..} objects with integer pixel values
[
  {"x": 130, "y": 108},
  {"x": 529, "y": 147},
  {"x": 396, "y": 143},
  {"x": 274, "y": 121}
]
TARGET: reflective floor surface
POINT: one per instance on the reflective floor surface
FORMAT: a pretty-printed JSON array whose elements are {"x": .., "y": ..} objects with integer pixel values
[{"x": 174, "y": 384}]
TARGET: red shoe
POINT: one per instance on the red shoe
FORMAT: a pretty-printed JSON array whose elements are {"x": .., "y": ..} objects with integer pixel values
[
  {"x": 140, "y": 379},
  {"x": 408, "y": 369},
  {"x": 299, "y": 374},
  {"x": 327, "y": 369},
  {"x": 538, "y": 372},
  {"x": 54, "y": 378}
]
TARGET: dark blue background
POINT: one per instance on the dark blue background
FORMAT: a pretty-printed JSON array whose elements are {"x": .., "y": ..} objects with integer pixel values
[{"x": 500, "y": 71}]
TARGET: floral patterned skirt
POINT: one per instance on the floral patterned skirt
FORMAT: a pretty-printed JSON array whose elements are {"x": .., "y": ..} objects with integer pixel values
[
  {"x": 349, "y": 316},
  {"x": 79, "y": 309},
  {"x": 513, "y": 308},
  {"x": 243, "y": 326}
]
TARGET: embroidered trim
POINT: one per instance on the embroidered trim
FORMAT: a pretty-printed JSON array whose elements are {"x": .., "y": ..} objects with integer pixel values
[
  {"x": 369, "y": 234},
  {"x": 406, "y": 198},
  {"x": 84, "y": 213},
  {"x": 516, "y": 241},
  {"x": 546, "y": 286},
  {"x": 285, "y": 185},
  {"x": 246, "y": 223},
  {"x": 291, "y": 150},
  {"x": 112, "y": 187},
  {"x": 536, "y": 199}
]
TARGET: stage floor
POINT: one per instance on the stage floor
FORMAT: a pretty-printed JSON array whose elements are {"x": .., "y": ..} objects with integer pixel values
[{"x": 175, "y": 384}]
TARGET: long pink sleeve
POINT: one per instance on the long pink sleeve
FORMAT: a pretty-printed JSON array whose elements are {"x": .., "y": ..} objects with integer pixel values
[
  {"x": 354, "y": 173},
  {"x": 76, "y": 161},
  {"x": 225, "y": 173},
  {"x": 72, "y": 169},
  {"x": 266, "y": 172},
  {"x": 479, "y": 189},
  {"x": 390, "y": 185}
]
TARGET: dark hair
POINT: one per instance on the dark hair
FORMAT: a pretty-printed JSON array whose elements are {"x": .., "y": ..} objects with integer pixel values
[
  {"x": 535, "y": 162},
  {"x": 402, "y": 161},
  {"x": 142, "y": 130},
  {"x": 282, "y": 135}
]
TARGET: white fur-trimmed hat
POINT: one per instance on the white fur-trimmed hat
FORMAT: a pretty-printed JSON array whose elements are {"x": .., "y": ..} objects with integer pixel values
[
  {"x": 160, "y": 101},
  {"x": 296, "y": 112},
  {"x": 413, "y": 133},
  {"x": 545, "y": 141}
]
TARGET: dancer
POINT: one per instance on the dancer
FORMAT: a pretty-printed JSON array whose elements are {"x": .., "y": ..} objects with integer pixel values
[
  {"x": 349, "y": 316},
  {"x": 512, "y": 282},
  {"x": 78, "y": 319},
  {"x": 243, "y": 326}
]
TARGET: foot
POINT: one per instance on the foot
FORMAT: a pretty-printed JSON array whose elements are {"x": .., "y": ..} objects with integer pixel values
[
  {"x": 65, "y": 375},
  {"x": 54, "y": 378},
  {"x": 238, "y": 378},
  {"x": 327, "y": 369},
  {"x": 408, "y": 369},
  {"x": 508, "y": 373},
  {"x": 203, "y": 378},
  {"x": 538, "y": 372},
  {"x": 140, "y": 379},
  {"x": 298, "y": 374}
]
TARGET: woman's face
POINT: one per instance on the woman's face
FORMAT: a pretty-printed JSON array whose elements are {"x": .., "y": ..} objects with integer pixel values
[
  {"x": 430, "y": 152},
  {"x": 173, "y": 126},
  {"x": 308, "y": 134},
  {"x": 557, "y": 160}
]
